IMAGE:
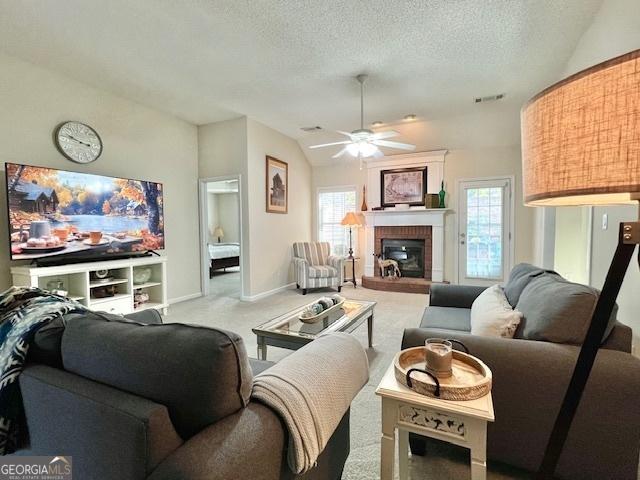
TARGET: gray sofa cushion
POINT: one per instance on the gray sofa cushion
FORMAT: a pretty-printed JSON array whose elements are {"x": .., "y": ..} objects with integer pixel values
[
  {"x": 449, "y": 318},
  {"x": 519, "y": 278},
  {"x": 45, "y": 347},
  {"x": 556, "y": 310},
  {"x": 200, "y": 374}
]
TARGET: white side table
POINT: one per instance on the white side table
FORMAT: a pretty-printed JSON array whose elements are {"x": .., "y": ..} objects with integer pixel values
[{"x": 457, "y": 422}]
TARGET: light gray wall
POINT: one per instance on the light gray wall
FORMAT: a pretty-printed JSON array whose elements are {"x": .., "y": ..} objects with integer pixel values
[
  {"x": 139, "y": 142},
  {"x": 222, "y": 151},
  {"x": 614, "y": 31},
  {"x": 273, "y": 234}
]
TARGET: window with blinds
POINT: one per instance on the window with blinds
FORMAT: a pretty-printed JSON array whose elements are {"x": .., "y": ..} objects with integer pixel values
[{"x": 333, "y": 205}]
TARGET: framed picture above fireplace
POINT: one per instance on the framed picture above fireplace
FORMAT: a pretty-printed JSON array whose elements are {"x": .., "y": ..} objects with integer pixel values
[{"x": 403, "y": 186}]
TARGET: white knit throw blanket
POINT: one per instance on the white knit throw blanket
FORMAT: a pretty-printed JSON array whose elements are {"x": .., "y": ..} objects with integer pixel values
[{"x": 311, "y": 390}]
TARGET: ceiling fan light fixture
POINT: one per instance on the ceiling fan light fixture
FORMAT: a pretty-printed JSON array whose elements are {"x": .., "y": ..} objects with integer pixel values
[{"x": 362, "y": 149}]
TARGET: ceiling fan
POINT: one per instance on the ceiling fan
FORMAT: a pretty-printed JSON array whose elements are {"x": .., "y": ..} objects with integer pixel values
[{"x": 363, "y": 142}]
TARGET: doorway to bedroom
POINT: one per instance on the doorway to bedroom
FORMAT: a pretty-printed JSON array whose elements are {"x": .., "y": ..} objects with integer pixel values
[{"x": 221, "y": 237}]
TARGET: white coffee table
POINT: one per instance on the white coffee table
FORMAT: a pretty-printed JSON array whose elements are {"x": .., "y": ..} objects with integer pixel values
[{"x": 457, "y": 422}]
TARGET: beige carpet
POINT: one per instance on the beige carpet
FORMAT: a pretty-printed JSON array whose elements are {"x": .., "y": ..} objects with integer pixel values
[{"x": 394, "y": 313}]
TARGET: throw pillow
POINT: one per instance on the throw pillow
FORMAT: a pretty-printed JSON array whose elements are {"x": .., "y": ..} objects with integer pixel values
[
  {"x": 492, "y": 315},
  {"x": 557, "y": 310},
  {"x": 519, "y": 278}
]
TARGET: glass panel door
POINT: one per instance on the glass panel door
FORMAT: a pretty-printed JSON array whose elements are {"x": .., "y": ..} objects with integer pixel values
[{"x": 484, "y": 231}]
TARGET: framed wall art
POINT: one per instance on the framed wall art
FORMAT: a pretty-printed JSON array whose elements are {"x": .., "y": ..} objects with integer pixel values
[
  {"x": 277, "y": 185},
  {"x": 403, "y": 186}
]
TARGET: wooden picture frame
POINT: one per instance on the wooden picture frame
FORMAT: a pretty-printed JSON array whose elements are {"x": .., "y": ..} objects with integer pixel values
[
  {"x": 277, "y": 188},
  {"x": 410, "y": 186}
]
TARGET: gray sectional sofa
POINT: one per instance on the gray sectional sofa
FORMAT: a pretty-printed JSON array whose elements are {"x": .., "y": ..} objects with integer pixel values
[
  {"x": 138, "y": 399},
  {"x": 531, "y": 376}
]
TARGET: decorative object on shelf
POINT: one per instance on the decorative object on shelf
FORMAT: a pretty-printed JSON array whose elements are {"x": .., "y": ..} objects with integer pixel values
[
  {"x": 441, "y": 195},
  {"x": 432, "y": 200},
  {"x": 100, "y": 276},
  {"x": 141, "y": 275},
  {"x": 388, "y": 267},
  {"x": 377, "y": 209},
  {"x": 402, "y": 206},
  {"x": 140, "y": 297},
  {"x": 218, "y": 232},
  {"x": 277, "y": 185},
  {"x": 403, "y": 186},
  {"x": 104, "y": 292},
  {"x": 78, "y": 142},
  {"x": 585, "y": 152},
  {"x": 364, "y": 207}
]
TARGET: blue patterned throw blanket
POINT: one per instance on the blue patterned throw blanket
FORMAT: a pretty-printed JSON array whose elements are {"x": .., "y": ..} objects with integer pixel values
[{"x": 23, "y": 310}]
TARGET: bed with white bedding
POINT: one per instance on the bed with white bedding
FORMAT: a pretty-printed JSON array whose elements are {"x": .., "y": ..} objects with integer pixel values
[{"x": 223, "y": 255}]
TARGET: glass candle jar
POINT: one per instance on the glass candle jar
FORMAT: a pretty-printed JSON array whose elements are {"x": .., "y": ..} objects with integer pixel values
[{"x": 439, "y": 357}]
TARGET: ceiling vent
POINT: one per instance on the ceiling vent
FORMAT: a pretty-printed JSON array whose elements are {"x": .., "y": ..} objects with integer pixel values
[
  {"x": 490, "y": 98},
  {"x": 311, "y": 129}
]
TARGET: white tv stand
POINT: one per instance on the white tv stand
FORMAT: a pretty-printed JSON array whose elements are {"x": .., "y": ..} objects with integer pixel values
[{"x": 76, "y": 279}]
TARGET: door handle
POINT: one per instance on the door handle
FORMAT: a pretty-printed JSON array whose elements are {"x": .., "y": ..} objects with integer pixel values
[{"x": 463, "y": 235}]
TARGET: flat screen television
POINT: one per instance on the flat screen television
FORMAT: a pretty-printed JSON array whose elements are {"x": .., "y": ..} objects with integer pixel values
[{"x": 57, "y": 216}]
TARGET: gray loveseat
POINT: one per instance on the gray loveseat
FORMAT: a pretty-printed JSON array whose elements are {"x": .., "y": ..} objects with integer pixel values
[
  {"x": 530, "y": 379},
  {"x": 145, "y": 400}
]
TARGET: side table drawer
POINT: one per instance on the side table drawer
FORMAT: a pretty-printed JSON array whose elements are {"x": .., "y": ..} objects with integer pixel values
[{"x": 439, "y": 422}]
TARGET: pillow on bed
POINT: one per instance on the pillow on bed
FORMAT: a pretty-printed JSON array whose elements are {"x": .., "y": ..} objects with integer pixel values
[{"x": 493, "y": 316}]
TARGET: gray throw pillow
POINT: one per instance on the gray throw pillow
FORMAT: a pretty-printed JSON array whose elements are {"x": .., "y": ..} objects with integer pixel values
[
  {"x": 519, "y": 278},
  {"x": 556, "y": 310}
]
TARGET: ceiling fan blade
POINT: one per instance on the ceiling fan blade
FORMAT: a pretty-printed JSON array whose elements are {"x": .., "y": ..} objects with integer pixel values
[
  {"x": 398, "y": 145},
  {"x": 330, "y": 144},
  {"x": 378, "y": 153},
  {"x": 340, "y": 153},
  {"x": 386, "y": 134},
  {"x": 348, "y": 134}
]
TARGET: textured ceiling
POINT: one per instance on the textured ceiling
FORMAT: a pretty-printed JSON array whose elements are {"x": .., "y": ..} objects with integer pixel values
[{"x": 290, "y": 63}]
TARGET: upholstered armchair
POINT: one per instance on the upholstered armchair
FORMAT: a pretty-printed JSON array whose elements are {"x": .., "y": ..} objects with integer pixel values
[{"x": 315, "y": 267}]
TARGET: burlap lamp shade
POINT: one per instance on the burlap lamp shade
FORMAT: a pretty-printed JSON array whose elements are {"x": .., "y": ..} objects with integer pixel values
[{"x": 581, "y": 137}]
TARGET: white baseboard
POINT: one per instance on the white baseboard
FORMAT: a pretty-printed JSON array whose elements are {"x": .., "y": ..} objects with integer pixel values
[
  {"x": 258, "y": 296},
  {"x": 184, "y": 298}
]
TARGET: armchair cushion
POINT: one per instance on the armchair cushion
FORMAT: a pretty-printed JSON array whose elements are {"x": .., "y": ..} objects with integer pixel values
[{"x": 317, "y": 271}]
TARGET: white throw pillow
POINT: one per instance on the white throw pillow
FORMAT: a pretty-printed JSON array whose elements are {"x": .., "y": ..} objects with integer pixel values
[{"x": 493, "y": 316}]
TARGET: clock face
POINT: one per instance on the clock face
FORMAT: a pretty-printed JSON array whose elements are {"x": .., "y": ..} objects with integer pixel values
[{"x": 78, "y": 142}]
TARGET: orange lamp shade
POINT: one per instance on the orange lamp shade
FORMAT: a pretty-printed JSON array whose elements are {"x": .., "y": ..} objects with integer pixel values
[
  {"x": 351, "y": 219},
  {"x": 581, "y": 137}
]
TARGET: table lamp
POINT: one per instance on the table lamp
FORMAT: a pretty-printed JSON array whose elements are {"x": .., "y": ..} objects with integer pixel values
[
  {"x": 581, "y": 146},
  {"x": 218, "y": 232},
  {"x": 351, "y": 219}
]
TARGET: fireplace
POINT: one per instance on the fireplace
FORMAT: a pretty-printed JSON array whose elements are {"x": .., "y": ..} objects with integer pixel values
[
  {"x": 415, "y": 260},
  {"x": 409, "y": 253}
]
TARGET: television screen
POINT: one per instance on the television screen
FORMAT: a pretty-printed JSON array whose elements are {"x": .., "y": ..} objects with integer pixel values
[{"x": 56, "y": 213}]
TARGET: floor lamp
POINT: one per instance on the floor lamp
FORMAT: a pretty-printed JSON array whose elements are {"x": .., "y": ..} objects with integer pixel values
[
  {"x": 351, "y": 220},
  {"x": 581, "y": 146}
]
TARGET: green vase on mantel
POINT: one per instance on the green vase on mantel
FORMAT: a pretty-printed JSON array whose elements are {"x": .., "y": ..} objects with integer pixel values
[{"x": 441, "y": 195}]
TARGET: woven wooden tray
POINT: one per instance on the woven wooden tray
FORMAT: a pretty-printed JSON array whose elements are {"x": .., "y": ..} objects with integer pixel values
[{"x": 471, "y": 378}]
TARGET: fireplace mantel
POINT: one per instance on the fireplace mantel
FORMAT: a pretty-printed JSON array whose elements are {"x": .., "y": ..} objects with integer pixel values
[{"x": 414, "y": 216}]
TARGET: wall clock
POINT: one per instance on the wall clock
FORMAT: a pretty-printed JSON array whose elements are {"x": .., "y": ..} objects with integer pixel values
[{"x": 78, "y": 142}]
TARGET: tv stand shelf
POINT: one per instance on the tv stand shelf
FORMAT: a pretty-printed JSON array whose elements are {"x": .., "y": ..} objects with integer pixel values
[{"x": 76, "y": 280}]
